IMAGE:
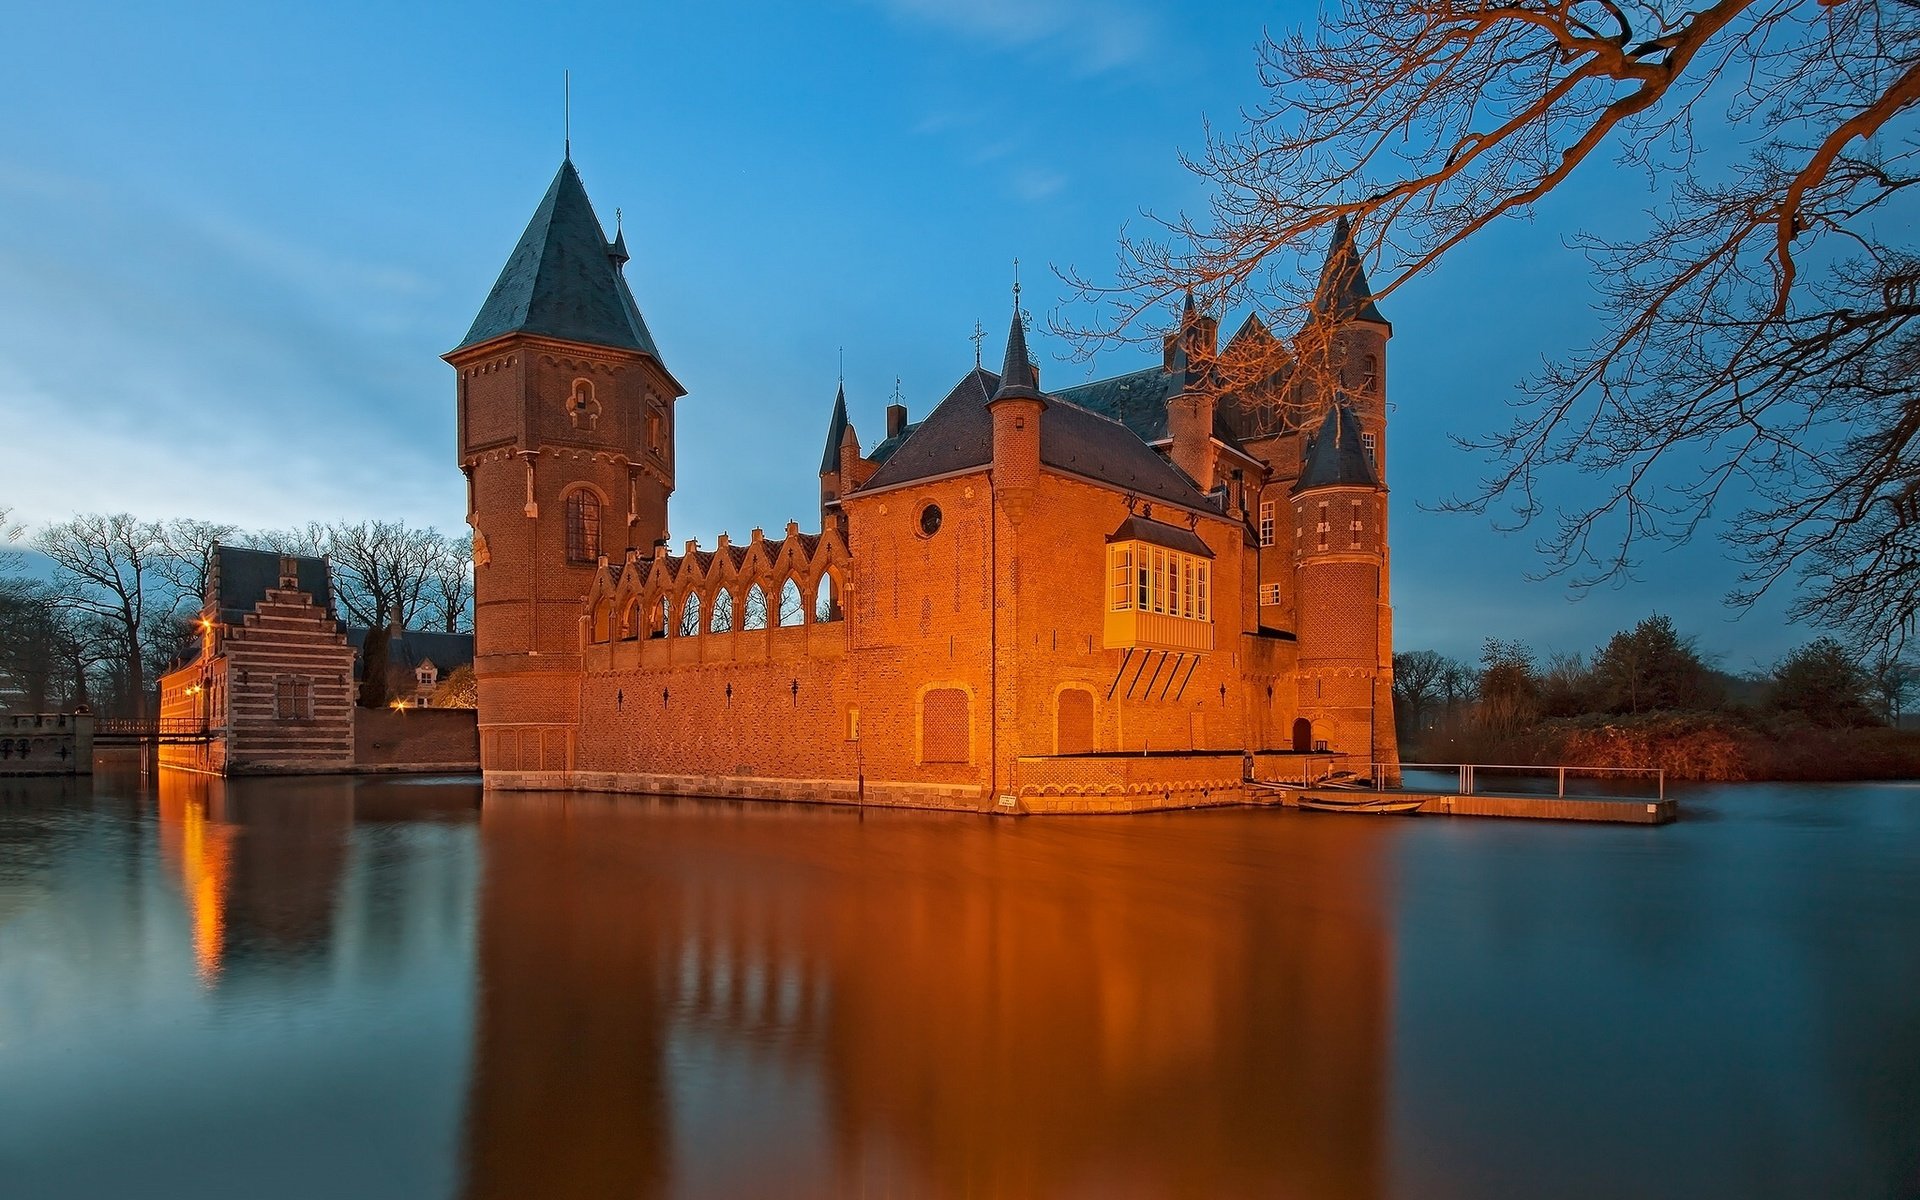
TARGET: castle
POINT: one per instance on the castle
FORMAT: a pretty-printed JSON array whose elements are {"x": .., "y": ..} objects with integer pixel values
[{"x": 1117, "y": 596}]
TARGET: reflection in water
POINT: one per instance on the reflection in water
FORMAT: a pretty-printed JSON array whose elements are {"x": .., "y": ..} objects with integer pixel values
[
  {"x": 368, "y": 988},
  {"x": 207, "y": 987},
  {"x": 688, "y": 999}
]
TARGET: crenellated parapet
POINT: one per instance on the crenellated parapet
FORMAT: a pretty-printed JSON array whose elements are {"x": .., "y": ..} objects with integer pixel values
[{"x": 767, "y": 583}]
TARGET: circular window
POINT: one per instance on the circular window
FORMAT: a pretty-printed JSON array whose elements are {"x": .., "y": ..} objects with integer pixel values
[{"x": 930, "y": 520}]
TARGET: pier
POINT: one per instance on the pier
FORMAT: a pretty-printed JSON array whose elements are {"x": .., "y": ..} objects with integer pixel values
[{"x": 1489, "y": 790}]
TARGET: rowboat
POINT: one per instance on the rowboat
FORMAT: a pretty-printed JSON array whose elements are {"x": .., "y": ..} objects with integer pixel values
[{"x": 1373, "y": 803}]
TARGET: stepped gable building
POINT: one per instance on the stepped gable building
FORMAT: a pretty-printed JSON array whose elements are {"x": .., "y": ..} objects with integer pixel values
[
  {"x": 273, "y": 677},
  {"x": 1108, "y": 597}
]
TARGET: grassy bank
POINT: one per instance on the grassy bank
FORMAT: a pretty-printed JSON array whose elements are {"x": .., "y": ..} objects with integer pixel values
[{"x": 1688, "y": 746}]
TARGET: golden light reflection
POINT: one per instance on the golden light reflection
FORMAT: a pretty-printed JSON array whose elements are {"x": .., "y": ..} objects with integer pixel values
[
  {"x": 201, "y": 853},
  {"x": 950, "y": 1007}
]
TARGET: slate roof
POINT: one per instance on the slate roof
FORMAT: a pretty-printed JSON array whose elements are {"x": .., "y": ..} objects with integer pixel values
[
  {"x": 1343, "y": 293},
  {"x": 562, "y": 279},
  {"x": 1017, "y": 380},
  {"x": 447, "y": 651},
  {"x": 1335, "y": 456},
  {"x": 836, "y": 430},
  {"x": 1138, "y": 400},
  {"x": 885, "y": 449},
  {"x": 957, "y": 436},
  {"x": 1174, "y": 537},
  {"x": 240, "y": 578}
]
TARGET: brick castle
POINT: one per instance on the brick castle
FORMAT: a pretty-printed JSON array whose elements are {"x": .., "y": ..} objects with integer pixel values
[{"x": 1111, "y": 597}]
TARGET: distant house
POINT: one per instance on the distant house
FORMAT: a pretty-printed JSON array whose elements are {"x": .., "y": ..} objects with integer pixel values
[
  {"x": 418, "y": 660},
  {"x": 273, "y": 676},
  {"x": 271, "y": 679}
]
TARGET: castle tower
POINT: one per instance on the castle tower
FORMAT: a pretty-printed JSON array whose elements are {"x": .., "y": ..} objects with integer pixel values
[
  {"x": 1192, "y": 399},
  {"x": 1345, "y": 346},
  {"x": 1340, "y": 572},
  {"x": 1016, "y": 407},
  {"x": 566, "y": 439}
]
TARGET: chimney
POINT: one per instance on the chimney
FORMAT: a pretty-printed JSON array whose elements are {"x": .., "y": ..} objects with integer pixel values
[{"x": 896, "y": 420}]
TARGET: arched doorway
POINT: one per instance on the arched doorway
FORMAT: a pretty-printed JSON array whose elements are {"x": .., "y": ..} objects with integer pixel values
[{"x": 1302, "y": 735}]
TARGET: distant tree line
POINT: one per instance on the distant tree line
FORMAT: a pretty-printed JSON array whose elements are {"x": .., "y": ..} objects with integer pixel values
[
  {"x": 1648, "y": 694},
  {"x": 117, "y": 608}
]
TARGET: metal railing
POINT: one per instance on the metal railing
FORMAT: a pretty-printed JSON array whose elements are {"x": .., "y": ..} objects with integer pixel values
[{"x": 1349, "y": 768}]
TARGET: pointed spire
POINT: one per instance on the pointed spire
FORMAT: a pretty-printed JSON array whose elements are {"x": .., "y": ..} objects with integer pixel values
[
  {"x": 617, "y": 251},
  {"x": 561, "y": 281},
  {"x": 837, "y": 429},
  {"x": 1016, "y": 374},
  {"x": 1343, "y": 294},
  {"x": 1337, "y": 455}
]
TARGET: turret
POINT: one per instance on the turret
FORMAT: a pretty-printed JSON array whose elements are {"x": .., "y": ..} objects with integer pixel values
[
  {"x": 1016, "y": 407},
  {"x": 1345, "y": 624},
  {"x": 1346, "y": 344},
  {"x": 566, "y": 439},
  {"x": 1192, "y": 397}
]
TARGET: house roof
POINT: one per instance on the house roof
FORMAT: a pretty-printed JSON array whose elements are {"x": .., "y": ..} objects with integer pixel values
[
  {"x": 1138, "y": 400},
  {"x": 239, "y": 579},
  {"x": 563, "y": 279},
  {"x": 1336, "y": 456},
  {"x": 957, "y": 436},
  {"x": 1139, "y": 528},
  {"x": 447, "y": 651}
]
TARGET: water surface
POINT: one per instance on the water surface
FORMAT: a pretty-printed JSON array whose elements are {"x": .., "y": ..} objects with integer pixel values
[{"x": 344, "y": 987}]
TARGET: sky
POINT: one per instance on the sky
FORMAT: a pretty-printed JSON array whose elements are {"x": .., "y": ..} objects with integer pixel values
[{"x": 236, "y": 238}]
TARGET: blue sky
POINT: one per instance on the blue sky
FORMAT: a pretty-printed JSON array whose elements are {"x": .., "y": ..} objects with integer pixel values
[{"x": 234, "y": 240}]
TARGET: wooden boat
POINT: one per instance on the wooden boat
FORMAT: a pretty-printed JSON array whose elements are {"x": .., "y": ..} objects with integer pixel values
[{"x": 1371, "y": 803}]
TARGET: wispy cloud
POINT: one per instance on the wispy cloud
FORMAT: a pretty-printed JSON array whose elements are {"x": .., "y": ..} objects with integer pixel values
[
  {"x": 1038, "y": 183},
  {"x": 1091, "y": 35}
]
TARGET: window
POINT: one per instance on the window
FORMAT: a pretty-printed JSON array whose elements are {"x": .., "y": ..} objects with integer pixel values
[
  {"x": 792, "y": 608},
  {"x": 825, "y": 606},
  {"x": 754, "y": 610},
  {"x": 583, "y": 526},
  {"x": 653, "y": 432},
  {"x": 1073, "y": 726},
  {"x": 1366, "y": 440},
  {"x": 1269, "y": 594},
  {"x": 690, "y": 615},
  {"x": 944, "y": 720},
  {"x": 930, "y": 520},
  {"x": 293, "y": 698},
  {"x": 722, "y": 619},
  {"x": 1266, "y": 522},
  {"x": 1324, "y": 526},
  {"x": 1158, "y": 598},
  {"x": 1370, "y": 374}
]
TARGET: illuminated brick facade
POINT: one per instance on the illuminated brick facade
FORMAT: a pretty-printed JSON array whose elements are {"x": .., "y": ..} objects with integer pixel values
[{"x": 1097, "y": 599}]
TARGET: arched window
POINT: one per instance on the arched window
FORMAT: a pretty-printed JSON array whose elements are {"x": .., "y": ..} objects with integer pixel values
[
  {"x": 826, "y": 604},
  {"x": 602, "y": 621},
  {"x": 1073, "y": 722},
  {"x": 792, "y": 608},
  {"x": 630, "y": 620},
  {"x": 755, "y": 614},
  {"x": 1370, "y": 374},
  {"x": 690, "y": 615},
  {"x": 583, "y": 526},
  {"x": 721, "y": 620}
]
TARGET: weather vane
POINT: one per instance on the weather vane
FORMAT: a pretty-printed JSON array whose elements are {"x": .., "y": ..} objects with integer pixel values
[
  {"x": 898, "y": 396},
  {"x": 979, "y": 335}
]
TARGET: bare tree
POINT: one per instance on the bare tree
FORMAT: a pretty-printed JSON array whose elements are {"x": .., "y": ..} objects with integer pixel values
[
  {"x": 1758, "y": 338},
  {"x": 104, "y": 566},
  {"x": 186, "y": 547},
  {"x": 1416, "y": 683},
  {"x": 377, "y": 565},
  {"x": 448, "y": 603}
]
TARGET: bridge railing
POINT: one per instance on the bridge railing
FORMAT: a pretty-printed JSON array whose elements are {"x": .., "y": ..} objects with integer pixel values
[
  {"x": 1467, "y": 775},
  {"x": 148, "y": 728}
]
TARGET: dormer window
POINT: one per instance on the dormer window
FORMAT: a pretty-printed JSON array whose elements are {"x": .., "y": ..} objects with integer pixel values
[{"x": 1159, "y": 588}]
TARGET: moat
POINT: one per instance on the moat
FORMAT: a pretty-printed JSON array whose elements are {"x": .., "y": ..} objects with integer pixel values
[{"x": 337, "y": 987}]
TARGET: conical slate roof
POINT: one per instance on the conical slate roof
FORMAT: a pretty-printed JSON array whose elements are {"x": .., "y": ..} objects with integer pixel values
[
  {"x": 1344, "y": 294},
  {"x": 1016, "y": 373},
  {"x": 836, "y": 431},
  {"x": 1336, "y": 457},
  {"x": 562, "y": 280}
]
